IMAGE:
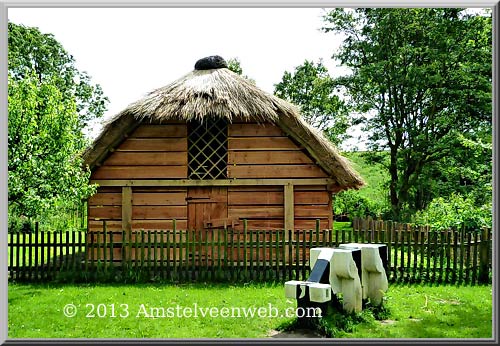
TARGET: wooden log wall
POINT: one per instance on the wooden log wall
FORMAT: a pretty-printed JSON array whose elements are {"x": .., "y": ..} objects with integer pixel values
[
  {"x": 264, "y": 151},
  {"x": 152, "y": 151}
]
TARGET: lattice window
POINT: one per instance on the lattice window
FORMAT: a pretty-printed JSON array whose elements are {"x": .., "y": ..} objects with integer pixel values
[{"x": 207, "y": 149}]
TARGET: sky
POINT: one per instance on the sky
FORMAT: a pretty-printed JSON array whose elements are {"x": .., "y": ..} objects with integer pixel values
[{"x": 132, "y": 51}]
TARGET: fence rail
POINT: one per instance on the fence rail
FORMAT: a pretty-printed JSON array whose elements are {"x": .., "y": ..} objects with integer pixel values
[{"x": 416, "y": 254}]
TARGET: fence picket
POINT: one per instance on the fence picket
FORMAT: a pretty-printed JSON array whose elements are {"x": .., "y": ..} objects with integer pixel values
[
  {"x": 36, "y": 247},
  {"x": 474, "y": 260}
]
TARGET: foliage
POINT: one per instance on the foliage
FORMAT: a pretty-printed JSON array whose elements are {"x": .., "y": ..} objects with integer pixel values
[
  {"x": 19, "y": 224},
  {"x": 234, "y": 65},
  {"x": 353, "y": 204},
  {"x": 312, "y": 89},
  {"x": 468, "y": 174},
  {"x": 44, "y": 143},
  {"x": 49, "y": 102},
  {"x": 371, "y": 200},
  {"x": 33, "y": 53},
  {"x": 421, "y": 77},
  {"x": 455, "y": 211}
]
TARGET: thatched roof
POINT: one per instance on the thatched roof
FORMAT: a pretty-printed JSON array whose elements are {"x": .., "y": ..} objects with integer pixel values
[{"x": 219, "y": 92}]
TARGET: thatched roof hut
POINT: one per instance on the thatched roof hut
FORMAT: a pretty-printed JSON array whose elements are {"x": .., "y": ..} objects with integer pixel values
[{"x": 210, "y": 91}]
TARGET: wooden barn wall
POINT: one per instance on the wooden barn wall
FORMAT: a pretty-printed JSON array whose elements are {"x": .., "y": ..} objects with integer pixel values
[
  {"x": 105, "y": 205},
  {"x": 152, "y": 151},
  {"x": 153, "y": 208},
  {"x": 156, "y": 151},
  {"x": 263, "y": 206},
  {"x": 264, "y": 151}
]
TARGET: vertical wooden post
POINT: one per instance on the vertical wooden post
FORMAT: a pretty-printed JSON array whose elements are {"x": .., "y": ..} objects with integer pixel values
[
  {"x": 289, "y": 214},
  {"x": 37, "y": 260},
  {"x": 245, "y": 241},
  {"x": 105, "y": 245},
  {"x": 484, "y": 257},
  {"x": 127, "y": 217}
]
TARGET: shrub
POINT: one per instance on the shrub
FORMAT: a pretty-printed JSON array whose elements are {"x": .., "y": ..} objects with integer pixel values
[
  {"x": 456, "y": 211},
  {"x": 353, "y": 204}
]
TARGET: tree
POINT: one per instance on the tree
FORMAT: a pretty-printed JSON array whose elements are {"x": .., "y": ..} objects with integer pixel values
[
  {"x": 30, "y": 51},
  {"x": 312, "y": 89},
  {"x": 422, "y": 77},
  {"x": 49, "y": 104},
  {"x": 44, "y": 143},
  {"x": 234, "y": 65}
]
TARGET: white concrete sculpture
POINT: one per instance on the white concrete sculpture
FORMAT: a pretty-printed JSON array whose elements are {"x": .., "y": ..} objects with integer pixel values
[
  {"x": 344, "y": 278},
  {"x": 373, "y": 276},
  {"x": 318, "y": 292}
]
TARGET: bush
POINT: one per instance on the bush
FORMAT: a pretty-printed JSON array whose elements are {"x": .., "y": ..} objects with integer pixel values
[
  {"x": 456, "y": 211},
  {"x": 20, "y": 224},
  {"x": 353, "y": 204}
]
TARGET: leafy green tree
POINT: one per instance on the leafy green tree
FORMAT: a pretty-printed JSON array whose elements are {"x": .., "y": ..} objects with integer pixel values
[
  {"x": 312, "y": 89},
  {"x": 422, "y": 78},
  {"x": 44, "y": 147},
  {"x": 456, "y": 211},
  {"x": 33, "y": 52},
  {"x": 49, "y": 104},
  {"x": 234, "y": 65}
]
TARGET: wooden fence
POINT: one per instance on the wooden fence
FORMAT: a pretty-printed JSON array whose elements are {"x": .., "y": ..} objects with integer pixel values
[{"x": 416, "y": 254}]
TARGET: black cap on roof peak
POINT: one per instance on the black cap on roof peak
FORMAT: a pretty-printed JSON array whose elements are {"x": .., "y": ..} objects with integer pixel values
[{"x": 210, "y": 62}]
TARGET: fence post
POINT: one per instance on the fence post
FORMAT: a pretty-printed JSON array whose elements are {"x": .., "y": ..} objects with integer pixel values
[
  {"x": 245, "y": 234},
  {"x": 484, "y": 257},
  {"x": 105, "y": 245}
]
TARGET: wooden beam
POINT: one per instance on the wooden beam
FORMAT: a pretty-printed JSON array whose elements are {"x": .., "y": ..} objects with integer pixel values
[
  {"x": 215, "y": 182},
  {"x": 289, "y": 217},
  {"x": 127, "y": 216}
]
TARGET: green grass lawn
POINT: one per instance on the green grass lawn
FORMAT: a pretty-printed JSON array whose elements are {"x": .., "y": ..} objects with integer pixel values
[{"x": 36, "y": 311}]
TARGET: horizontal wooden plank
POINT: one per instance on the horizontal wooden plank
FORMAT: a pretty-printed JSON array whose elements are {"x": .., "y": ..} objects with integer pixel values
[
  {"x": 111, "y": 225},
  {"x": 110, "y": 189},
  {"x": 310, "y": 188},
  {"x": 154, "y": 144},
  {"x": 242, "y": 212},
  {"x": 261, "y": 224},
  {"x": 101, "y": 198},
  {"x": 174, "y": 198},
  {"x": 139, "y": 158},
  {"x": 159, "y": 212},
  {"x": 139, "y": 224},
  {"x": 158, "y": 189},
  {"x": 255, "y": 130},
  {"x": 106, "y": 212},
  {"x": 255, "y": 188},
  {"x": 255, "y": 198},
  {"x": 160, "y": 131},
  {"x": 208, "y": 194},
  {"x": 268, "y": 157},
  {"x": 311, "y": 224},
  {"x": 261, "y": 143},
  {"x": 159, "y": 224},
  {"x": 301, "y": 224},
  {"x": 311, "y": 197},
  {"x": 270, "y": 171},
  {"x": 316, "y": 211},
  {"x": 218, "y": 182},
  {"x": 139, "y": 172}
]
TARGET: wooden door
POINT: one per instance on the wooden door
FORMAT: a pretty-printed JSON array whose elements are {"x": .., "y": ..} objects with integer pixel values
[{"x": 207, "y": 210}]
